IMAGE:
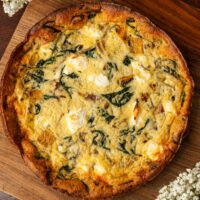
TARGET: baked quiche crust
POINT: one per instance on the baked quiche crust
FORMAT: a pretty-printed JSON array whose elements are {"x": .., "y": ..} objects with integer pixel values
[{"x": 96, "y": 98}]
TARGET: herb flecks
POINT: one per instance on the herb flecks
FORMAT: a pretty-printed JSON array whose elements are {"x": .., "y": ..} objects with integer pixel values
[
  {"x": 63, "y": 82},
  {"x": 119, "y": 98},
  {"x": 64, "y": 172},
  {"x": 37, "y": 109},
  {"x": 131, "y": 23},
  {"x": 127, "y": 60},
  {"x": 47, "y": 97},
  {"x": 67, "y": 88},
  {"x": 106, "y": 115},
  {"x": 142, "y": 128},
  {"x": 43, "y": 62},
  {"x": 100, "y": 139},
  {"x": 91, "y": 53},
  {"x": 72, "y": 75},
  {"x": 122, "y": 147},
  {"x": 111, "y": 67},
  {"x": 128, "y": 131},
  {"x": 91, "y": 121},
  {"x": 183, "y": 95},
  {"x": 168, "y": 66},
  {"x": 38, "y": 76},
  {"x": 91, "y": 14}
]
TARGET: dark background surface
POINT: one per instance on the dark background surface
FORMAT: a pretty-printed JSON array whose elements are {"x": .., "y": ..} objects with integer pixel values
[{"x": 7, "y": 27}]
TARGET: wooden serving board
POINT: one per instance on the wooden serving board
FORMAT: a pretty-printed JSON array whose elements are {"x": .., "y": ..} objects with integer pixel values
[{"x": 182, "y": 23}]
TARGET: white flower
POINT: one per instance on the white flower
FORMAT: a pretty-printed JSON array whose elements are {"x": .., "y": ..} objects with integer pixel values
[
  {"x": 185, "y": 187},
  {"x": 12, "y": 6}
]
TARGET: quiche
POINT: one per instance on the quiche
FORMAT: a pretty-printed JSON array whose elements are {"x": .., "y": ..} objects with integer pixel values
[{"x": 97, "y": 99}]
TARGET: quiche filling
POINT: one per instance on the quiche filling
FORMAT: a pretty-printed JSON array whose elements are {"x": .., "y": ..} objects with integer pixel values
[{"x": 98, "y": 99}]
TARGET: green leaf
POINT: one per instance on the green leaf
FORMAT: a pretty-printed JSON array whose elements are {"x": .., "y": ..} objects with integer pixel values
[
  {"x": 47, "y": 97},
  {"x": 127, "y": 60},
  {"x": 111, "y": 67},
  {"x": 106, "y": 115},
  {"x": 64, "y": 171},
  {"x": 119, "y": 98},
  {"x": 38, "y": 76},
  {"x": 100, "y": 139},
  {"x": 131, "y": 23},
  {"x": 64, "y": 85},
  {"x": 37, "y": 109},
  {"x": 122, "y": 147},
  {"x": 183, "y": 95},
  {"x": 91, "y": 14},
  {"x": 43, "y": 62},
  {"x": 73, "y": 75},
  {"x": 141, "y": 129},
  {"x": 91, "y": 53}
]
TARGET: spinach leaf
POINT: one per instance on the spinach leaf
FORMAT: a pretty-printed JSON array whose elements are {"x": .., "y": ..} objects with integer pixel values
[
  {"x": 73, "y": 75},
  {"x": 130, "y": 23},
  {"x": 46, "y": 97},
  {"x": 141, "y": 129},
  {"x": 64, "y": 171},
  {"x": 45, "y": 62},
  {"x": 67, "y": 88},
  {"x": 65, "y": 51},
  {"x": 111, "y": 67},
  {"x": 100, "y": 139},
  {"x": 91, "y": 120},
  {"x": 38, "y": 76},
  {"x": 68, "y": 138},
  {"x": 63, "y": 83},
  {"x": 127, "y": 60},
  {"x": 122, "y": 147},
  {"x": 106, "y": 115},
  {"x": 78, "y": 47},
  {"x": 183, "y": 95},
  {"x": 90, "y": 53},
  {"x": 91, "y": 14},
  {"x": 167, "y": 65},
  {"x": 171, "y": 71},
  {"x": 37, "y": 109},
  {"x": 119, "y": 98},
  {"x": 127, "y": 131}
]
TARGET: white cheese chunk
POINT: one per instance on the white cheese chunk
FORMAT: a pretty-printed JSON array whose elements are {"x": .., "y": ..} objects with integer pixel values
[
  {"x": 80, "y": 63},
  {"x": 99, "y": 80},
  {"x": 99, "y": 169},
  {"x": 45, "y": 51},
  {"x": 92, "y": 32},
  {"x": 139, "y": 70},
  {"x": 169, "y": 107},
  {"x": 75, "y": 120},
  {"x": 66, "y": 70},
  {"x": 154, "y": 150}
]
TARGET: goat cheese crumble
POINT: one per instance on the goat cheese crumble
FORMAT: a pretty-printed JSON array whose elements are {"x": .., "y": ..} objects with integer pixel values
[
  {"x": 12, "y": 6},
  {"x": 185, "y": 187}
]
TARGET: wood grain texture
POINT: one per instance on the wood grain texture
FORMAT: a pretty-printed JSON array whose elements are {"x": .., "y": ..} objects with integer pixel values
[
  {"x": 182, "y": 22},
  {"x": 7, "y": 27}
]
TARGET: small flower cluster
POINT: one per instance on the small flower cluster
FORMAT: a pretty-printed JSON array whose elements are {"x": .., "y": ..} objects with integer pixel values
[
  {"x": 12, "y": 6},
  {"x": 185, "y": 187}
]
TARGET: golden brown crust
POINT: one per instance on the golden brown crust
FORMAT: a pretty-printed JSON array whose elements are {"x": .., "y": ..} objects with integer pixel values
[{"x": 29, "y": 153}]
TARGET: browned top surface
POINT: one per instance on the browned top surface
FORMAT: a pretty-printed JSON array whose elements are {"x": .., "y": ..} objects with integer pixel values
[{"x": 182, "y": 23}]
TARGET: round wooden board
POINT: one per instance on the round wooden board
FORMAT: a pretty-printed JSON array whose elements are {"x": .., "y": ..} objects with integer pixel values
[{"x": 182, "y": 22}]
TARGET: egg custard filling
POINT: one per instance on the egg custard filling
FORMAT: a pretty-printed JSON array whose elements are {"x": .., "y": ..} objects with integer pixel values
[{"x": 103, "y": 99}]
